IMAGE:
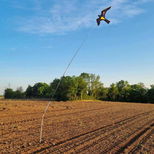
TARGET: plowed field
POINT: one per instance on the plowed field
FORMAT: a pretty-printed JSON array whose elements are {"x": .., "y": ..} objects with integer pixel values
[{"x": 88, "y": 127}]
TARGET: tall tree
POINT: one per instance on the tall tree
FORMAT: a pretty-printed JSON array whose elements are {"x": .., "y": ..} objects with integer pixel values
[
  {"x": 123, "y": 90},
  {"x": 113, "y": 92},
  {"x": 138, "y": 93},
  {"x": 9, "y": 93},
  {"x": 64, "y": 90},
  {"x": 102, "y": 93},
  {"x": 40, "y": 89},
  {"x": 93, "y": 84},
  {"x": 150, "y": 94},
  {"x": 29, "y": 92},
  {"x": 81, "y": 88},
  {"x": 19, "y": 94}
]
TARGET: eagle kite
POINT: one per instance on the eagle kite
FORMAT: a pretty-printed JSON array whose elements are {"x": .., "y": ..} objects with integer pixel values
[{"x": 102, "y": 16}]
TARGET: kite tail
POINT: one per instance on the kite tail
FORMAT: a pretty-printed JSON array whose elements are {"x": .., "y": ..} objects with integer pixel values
[{"x": 107, "y": 21}]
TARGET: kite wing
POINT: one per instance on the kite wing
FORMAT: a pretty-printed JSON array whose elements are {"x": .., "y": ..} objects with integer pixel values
[
  {"x": 104, "y": 11},
  {"x": 98, "y": 21}
]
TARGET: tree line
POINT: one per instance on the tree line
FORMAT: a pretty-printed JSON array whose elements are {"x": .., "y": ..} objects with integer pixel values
[{"x": 84, "y": 86}]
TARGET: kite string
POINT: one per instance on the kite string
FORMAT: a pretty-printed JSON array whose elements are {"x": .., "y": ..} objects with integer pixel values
[{"x": 69, "y": 64}]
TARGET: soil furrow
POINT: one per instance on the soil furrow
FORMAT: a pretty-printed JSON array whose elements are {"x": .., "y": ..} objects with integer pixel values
[
  {"x": 102, "y": 138},
  {"x": 107, "y": 143},
  {"x": 141, "y": 140},
  {"x": 99, "y": 131},
  {"x": 129, "y": 140},
  {"x": 76, "y": 127},
  {"x": 48, "y": 117}
]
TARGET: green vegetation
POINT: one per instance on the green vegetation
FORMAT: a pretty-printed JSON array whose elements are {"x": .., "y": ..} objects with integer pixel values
[{"x": 85, "y": 86}]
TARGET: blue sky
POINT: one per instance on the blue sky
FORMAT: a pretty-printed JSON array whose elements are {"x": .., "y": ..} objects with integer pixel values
[{"x": 38, "y": 38}]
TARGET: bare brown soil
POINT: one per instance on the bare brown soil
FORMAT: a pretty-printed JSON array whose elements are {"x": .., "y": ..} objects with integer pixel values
[{"x": 87, "y": 127}]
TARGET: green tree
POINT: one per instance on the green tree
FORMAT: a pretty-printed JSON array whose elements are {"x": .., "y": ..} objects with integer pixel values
[
  {"x": 9, "y": 93},
  {"x": 29, "y": 92},
  {"x": 93, "y": 84},
  {"x": 150, "y": 94},
  {"x": 40, "y": 90},
  {"x": 123, "y": 90},
  {"x": 64, "y": 90},
  {"x": 19, "y": 94},
  {"x": 138, "y": 93},
  {"x": 81, "y": 88},
  {"x": 102, "y": 93},
  {"x": 113, "y": 92}
]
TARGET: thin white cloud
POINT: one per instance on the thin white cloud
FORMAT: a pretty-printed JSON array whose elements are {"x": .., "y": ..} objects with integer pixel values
[{"x": 56, "y": 16}]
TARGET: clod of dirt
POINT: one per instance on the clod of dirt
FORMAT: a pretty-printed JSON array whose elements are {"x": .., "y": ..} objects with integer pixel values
[
  {"x": 3, "y": 108},
  {"x": 68, "y": 107},
  {"x": 53, "y": 143},
  {"x": 22, "y": 146},
  {"x": 29, "y": 144}
]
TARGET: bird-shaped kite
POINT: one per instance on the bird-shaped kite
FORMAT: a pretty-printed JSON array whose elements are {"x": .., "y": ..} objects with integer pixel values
[{"x": 102, "y": 16}]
